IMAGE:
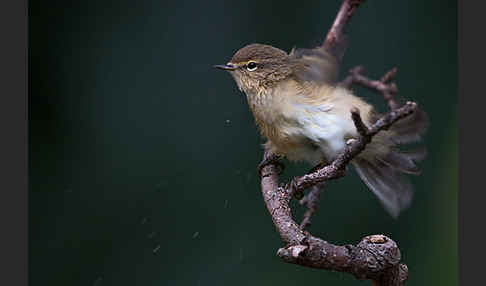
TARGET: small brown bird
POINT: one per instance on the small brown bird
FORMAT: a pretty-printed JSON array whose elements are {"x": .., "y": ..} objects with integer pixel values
[{"x": 305, "y": 116}]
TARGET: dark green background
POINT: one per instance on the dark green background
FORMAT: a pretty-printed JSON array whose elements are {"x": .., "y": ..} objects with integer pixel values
[{"x": 143, "y": 157}]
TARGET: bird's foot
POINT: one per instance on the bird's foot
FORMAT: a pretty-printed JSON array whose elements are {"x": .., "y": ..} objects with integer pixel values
[
  {"x": 272, "y": 159},
  {"x": 294, "y": 190}
]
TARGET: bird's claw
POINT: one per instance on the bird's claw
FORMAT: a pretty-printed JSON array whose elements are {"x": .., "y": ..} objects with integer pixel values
[
  {"x": 275, "y": 160},
  {"x": 293, "y": 189}
]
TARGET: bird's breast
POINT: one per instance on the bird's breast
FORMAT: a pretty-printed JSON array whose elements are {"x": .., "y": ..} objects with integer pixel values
[
  {"x": 305, "y": 127},
  {"x": 284, "y": 121}
]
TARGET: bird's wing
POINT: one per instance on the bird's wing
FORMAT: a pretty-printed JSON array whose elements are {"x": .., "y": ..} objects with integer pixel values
[{"x": 318, "y": 65}]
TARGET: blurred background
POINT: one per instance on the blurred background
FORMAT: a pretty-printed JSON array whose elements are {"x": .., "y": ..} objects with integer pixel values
[{"x": 143, "y": 157}]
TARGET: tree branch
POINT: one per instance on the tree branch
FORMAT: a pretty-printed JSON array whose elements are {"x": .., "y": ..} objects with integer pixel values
[
  {"x": 375, "y": 257},
  {"x": 384, "y": 86},
  {"x": 311, "y": 201},
  {"x": 335, "y": 34}
]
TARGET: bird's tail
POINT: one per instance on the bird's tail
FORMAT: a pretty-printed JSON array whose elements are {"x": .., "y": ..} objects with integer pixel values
[{"x": 386, "y": 174}]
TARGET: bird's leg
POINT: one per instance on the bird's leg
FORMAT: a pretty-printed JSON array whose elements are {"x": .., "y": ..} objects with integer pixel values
[
  {"x": 291, "y": 187},
  {"x": 272, "y": 159}
]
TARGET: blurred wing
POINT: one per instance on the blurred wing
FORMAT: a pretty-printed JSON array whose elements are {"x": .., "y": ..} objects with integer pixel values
[{"x": 318, "y": 65}]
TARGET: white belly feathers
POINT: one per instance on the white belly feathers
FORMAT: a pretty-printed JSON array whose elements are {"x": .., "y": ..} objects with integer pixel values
[{"x": 308, "y": 128}]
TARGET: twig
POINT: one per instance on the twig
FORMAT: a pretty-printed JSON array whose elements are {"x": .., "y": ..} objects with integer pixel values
[
  {"x": 384, "y": 86},
  {"x": 358, "y": 122},
  {"x": 311, "y": 201},
  {"x": 344, "y": 15}
]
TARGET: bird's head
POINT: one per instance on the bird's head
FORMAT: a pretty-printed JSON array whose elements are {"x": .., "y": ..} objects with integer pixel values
[{"x": 257, "y": 67}]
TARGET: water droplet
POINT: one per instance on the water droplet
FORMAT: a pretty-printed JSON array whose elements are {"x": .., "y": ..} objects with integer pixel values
[
  {"x": 196, "y": 234},
  {"x": 228, "y": 121},
  {"x": 98, "y": 281},
  {"x": 151, "y": 235}
]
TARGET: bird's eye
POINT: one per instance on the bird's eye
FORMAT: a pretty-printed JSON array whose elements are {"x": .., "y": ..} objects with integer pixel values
[{"x": 251, "y": 66}]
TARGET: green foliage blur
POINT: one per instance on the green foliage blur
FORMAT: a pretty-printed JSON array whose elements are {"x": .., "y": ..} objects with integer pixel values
[{"x": 143, "y": 157}]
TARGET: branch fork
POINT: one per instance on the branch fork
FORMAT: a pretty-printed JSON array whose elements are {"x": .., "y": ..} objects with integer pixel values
[{"x": 385, "y": 86}]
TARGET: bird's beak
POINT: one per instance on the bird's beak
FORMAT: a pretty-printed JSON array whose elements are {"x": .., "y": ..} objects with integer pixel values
[{"x": 228, "y": 67}]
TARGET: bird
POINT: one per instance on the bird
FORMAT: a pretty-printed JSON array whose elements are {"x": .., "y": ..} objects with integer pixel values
[{"x": 304, "y": 114}]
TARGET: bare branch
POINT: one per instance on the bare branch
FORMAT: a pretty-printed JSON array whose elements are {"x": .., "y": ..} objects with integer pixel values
[
  {"x": 358, "y": 122},
  {"x": 343, "y": 17},
  {"x": 384, "y": 86},
  {"x": 376, "y": 257},
  {"x": 311, "y": 201},
  {"x": 389, "y": 76}
]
